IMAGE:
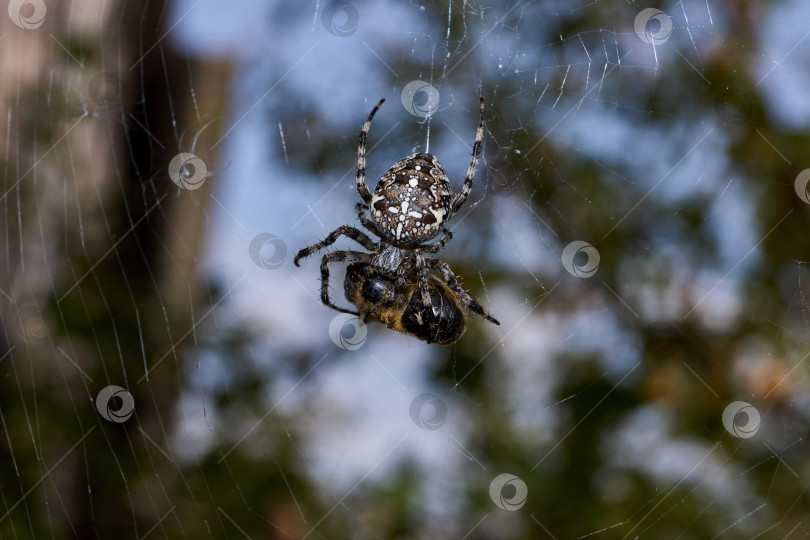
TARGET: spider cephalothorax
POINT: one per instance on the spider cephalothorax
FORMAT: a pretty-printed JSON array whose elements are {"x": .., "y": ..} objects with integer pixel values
[{"x": 411, "y": 204}]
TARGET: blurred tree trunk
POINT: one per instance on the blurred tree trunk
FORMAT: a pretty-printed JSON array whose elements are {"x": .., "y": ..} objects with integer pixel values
[{"x": 101, "y": 252}]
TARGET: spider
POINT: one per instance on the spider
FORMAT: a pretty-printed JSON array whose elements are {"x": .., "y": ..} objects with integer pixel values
[
  {"x": 410, "y": 206},
  {"x": 402, "y": 309}
]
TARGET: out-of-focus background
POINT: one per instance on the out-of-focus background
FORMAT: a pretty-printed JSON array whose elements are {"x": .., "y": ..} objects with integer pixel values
[{"x": 639, "y": 224}]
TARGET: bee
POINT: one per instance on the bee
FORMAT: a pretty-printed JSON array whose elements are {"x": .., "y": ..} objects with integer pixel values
[{"x": 400, "y": 307}]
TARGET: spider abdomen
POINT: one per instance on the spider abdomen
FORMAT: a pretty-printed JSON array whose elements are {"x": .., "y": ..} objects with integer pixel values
[{"x": 412, "y": 200}]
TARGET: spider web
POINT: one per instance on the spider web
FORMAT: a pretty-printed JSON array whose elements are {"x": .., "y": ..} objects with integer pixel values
[{"x": 637, "y": 224}]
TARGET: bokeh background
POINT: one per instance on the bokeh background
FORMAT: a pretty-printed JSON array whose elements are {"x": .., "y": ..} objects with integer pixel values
[{"x": 639, "y": 224}]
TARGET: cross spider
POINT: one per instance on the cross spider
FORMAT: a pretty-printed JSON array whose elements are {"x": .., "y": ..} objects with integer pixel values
[{"x": 410, "y": 206}]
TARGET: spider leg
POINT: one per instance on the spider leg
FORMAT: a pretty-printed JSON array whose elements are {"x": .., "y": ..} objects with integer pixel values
[
  {"x": 345, "y": 230},
  {"x": 362, "y": 188},
  {"x": 459, "y": 198},
  {"x": 452, "y": 282},
  {"x": 365, "y": 221},
  {"x": 338, "y": 256},
  {"x": 438, "y": 246},
  {"x": 421, "y": 276}
]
